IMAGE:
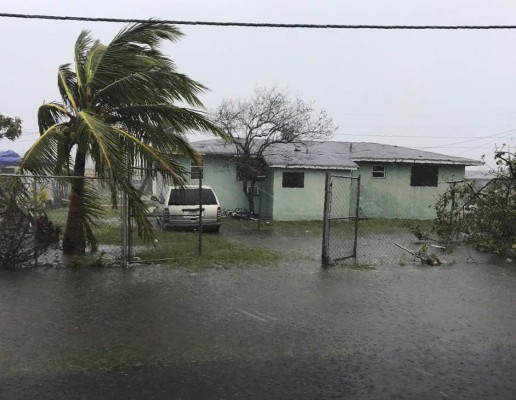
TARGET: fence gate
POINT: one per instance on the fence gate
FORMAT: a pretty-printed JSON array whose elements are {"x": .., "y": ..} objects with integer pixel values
[{"x": 340, "y": 222}]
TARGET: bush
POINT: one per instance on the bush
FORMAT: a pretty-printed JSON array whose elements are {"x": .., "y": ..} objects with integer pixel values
[
  {"x": 21, "y": 241},
  {"x": 484, "y": 217}
]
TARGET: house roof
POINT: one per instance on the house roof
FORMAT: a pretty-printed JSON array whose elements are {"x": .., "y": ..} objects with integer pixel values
[
  {"x": 9, "y": 157},
  {"x": 479, "y": 175},
  {"x": 335, "y": 155}
]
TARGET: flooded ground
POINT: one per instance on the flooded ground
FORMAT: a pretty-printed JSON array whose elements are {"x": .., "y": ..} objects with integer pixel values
[
  {"x": 375, "y": 248},
  {"x": 291, "y": 331}
]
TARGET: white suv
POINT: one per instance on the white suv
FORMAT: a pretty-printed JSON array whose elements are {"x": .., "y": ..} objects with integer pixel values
[{"x": 178, "y": 207}]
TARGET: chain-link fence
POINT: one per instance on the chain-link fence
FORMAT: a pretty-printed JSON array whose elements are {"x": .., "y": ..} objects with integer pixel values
[
  {"x": 368, "y": 222},
  {"x": 38, "y": 216},
  {"x": 431, "y": 223},
  {"x": 340, "y": 220},
  {"x": 395, "y": 222},
  {"x": 435, "y": 223},
  {"x": 41, "y": 206},
  {"x": 180, "y": 216}
]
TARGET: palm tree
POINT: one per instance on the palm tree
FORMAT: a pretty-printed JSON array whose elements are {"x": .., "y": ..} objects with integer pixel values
[{"x": 117, "y": 109}]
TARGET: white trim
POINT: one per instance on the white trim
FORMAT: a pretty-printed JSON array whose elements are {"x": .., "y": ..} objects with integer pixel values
[
  {"x": 324, "y": 167},
  {"x": 418, "y": 161}
]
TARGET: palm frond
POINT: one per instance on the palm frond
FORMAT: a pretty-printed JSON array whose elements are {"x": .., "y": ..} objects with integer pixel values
[
  {"x": 106, "y": 150},
  {"x": 133, "y": 68},
  {"x": 138, "y": 210},
  {"x": 181, "y": 120},
  {"x": 42, "y": 156},
  {"x": 93, "y": 60},
  {"x": 67, "y": 83},
  {"x": 150, "y": 34},
  {"x": 50, "y": 114},
  {"x": 93, "y": 212},
  {"x": 82, "y": 45},
  {"x": 150, "y": 158}
]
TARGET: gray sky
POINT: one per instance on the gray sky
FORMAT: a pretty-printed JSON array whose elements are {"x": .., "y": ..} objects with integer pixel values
[{"x": 442, "y": 91}]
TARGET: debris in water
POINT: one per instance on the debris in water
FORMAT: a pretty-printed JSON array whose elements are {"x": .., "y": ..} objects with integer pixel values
[{"x": 428, "y": 259}]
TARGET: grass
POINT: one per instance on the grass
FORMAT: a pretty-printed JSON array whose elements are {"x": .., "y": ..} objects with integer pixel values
[
  {"x": 178, "y": 249},
  {"x": 362, "y": 266},
  {"x": 109, "y": 227},
  {"x": 181, "y": 248},
  {"x": 365, "y": 226}
]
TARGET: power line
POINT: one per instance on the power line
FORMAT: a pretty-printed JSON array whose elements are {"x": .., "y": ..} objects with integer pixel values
[
  {"x": 420, "y": 136},
  {"x": 409, "y": 126},
  {"x": 472, "y": 140},
  {"x": 258, "y": 24},
  {"x": 447, "y": 147},
  {"x": 481, "y": 146},
  {"x": 464, "y": 115}
]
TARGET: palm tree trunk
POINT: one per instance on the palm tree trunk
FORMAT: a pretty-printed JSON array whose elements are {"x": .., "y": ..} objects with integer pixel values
[{"x": 74, "y": 238}]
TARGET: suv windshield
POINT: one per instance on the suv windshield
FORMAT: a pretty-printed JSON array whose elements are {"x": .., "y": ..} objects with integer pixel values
[{"x": 190, "y": 197}]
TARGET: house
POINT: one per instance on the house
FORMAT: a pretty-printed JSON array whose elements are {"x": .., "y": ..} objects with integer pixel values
[
  {"x": 396, "y": 182},
  {"x": 479, "y": 179},
  {"x": 9, "y": 160}
]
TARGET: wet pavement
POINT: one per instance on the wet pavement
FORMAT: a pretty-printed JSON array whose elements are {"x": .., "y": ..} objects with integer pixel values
[{"x": 291, "y": 331}]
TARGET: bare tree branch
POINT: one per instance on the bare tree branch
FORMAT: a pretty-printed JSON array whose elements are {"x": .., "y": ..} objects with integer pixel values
[{"x": 268, "y": 117}]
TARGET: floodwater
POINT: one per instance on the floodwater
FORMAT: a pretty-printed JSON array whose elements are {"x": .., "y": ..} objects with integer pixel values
[{"x": 292, "y": 331}]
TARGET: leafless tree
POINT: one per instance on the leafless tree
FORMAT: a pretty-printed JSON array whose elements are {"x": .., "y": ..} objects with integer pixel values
[{"x": 268, "y": 117}]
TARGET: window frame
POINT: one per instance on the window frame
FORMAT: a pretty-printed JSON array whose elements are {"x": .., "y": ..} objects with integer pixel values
[
  {"x": 299, "y": 183},
  {"x": 416, "y": 180},
  {"x": 384, "y": 172}
]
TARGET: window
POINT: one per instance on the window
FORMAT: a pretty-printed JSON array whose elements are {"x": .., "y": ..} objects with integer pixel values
[
  {"x": 196, "y": 171},
  {"x": 293, "y": 180},
  {"x": 378, "y": 171},
  {"x": 424, "y": 175},
  {"x": 190, "y": 197}
]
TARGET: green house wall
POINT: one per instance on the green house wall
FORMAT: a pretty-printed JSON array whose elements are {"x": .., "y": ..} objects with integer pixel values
[
  {"x": 220, "y": 174},
  {"x": 307, "y": 203},
  {"x": 393, "y": 197},
  {"x": 389, "y": 197}
]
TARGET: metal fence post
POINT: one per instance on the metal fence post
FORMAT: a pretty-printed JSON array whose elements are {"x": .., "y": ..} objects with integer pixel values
[
  {"x": 129, "y": 233},
  {"x": 124, "y": 228},
  {"x": 326, "y": 220},
  {"x": 259, "y": 205},
  {"x": 34, "y": 220},
  {"x": 357, "y": 216},
  {"x": 200, "y": 214}
]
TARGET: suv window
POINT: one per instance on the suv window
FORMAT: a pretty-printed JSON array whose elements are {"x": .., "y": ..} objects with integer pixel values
[{"x": 190, "y": 197}]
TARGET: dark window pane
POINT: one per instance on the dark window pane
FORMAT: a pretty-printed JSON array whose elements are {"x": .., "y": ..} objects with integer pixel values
[
  {"x": 378, "y": 171},
  {"x": 293, "y": 180},
  {"x": 424, "y": 175},
  {"x": 190, "y": 197}
]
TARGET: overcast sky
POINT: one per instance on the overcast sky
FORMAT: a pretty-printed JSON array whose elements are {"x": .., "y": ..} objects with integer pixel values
[{"x": 451, "y": 92}]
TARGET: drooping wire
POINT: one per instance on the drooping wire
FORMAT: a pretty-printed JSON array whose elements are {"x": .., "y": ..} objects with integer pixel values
[{"x": 258, "y": 24}]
